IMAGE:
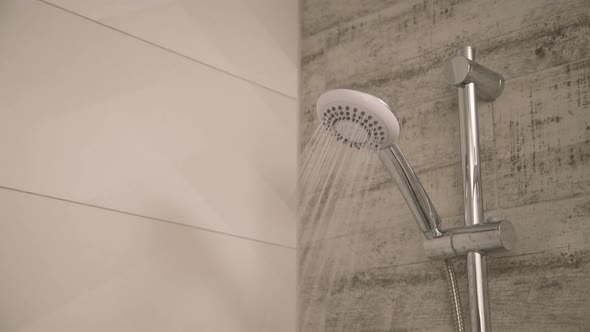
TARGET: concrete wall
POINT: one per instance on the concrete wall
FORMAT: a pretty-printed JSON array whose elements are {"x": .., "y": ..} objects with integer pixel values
[
  {"x": 535, "y": 149},
  {"x": 148, "y": 164}
]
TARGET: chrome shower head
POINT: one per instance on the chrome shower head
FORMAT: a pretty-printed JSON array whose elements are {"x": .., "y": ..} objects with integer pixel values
[
  {"x": 366, "y": 122},
  {"x": 358, "y": 119}
]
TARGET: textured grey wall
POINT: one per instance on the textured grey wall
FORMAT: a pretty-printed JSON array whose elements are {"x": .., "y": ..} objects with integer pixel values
[{"x": 535, "y": 148}]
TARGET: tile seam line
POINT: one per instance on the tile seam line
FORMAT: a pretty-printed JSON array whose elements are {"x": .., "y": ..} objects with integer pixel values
[
  {"x": 163, "y": 48},
  {"x": 145, "y": 217}
]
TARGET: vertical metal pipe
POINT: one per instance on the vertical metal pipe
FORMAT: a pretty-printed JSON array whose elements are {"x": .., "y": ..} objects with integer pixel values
[{"x": 473, "y": 200}]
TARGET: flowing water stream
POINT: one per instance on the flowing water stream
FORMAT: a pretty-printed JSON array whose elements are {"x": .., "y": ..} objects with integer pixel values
[{"x": 334, "y": 178}]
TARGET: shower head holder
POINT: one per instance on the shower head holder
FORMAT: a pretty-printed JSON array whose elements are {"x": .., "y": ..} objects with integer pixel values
[
  {"x": 460, "y": 70},
  {"x": 489, "y": 238}
]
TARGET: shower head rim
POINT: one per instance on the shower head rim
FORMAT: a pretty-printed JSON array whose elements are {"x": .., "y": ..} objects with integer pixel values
[{"x": 365, "y": 102}]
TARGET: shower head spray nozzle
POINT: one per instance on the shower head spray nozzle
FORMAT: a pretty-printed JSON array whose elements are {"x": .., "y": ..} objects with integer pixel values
[{"x": 358, "y": 119}]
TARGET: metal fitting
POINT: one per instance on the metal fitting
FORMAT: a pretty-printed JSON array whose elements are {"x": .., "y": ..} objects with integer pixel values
[
  {"x": 485, "y": 238},
  {"x": 460, "y": 71}
]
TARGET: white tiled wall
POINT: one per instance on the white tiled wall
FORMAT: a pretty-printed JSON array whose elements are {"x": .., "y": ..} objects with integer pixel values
[
  {"x": 254, "y": 39},
  {"x": 67, "y": 267},
  {"x": 148, "y": 158}
]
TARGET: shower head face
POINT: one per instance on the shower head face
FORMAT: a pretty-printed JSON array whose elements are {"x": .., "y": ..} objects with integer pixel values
[{"x": 358, "y": 119}]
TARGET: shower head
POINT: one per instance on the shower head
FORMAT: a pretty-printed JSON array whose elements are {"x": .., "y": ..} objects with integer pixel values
[
  {"x": 358, "y": 119},
  {"x": 366, "y": 122}
]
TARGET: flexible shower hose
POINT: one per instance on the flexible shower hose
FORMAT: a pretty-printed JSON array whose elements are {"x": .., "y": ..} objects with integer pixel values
[{"x": 455, "y": 297}]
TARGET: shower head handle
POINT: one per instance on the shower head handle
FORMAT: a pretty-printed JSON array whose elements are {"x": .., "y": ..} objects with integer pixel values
[{"x": 412, "y": 190}]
